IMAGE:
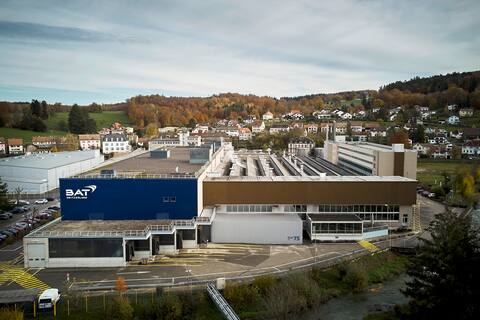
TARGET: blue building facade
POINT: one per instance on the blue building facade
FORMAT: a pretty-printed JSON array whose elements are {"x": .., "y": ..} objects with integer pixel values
[{"x": 128, "y": 199}]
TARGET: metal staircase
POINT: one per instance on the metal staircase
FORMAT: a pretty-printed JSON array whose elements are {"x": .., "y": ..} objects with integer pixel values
[{"x": 221, "y": 303}]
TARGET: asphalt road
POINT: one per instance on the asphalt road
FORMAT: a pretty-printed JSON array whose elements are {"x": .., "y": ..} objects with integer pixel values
[{"x": 218, "y": 260}]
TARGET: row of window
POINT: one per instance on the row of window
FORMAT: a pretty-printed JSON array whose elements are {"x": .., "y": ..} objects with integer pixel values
[
  {"x": 249, "y": 208},
  {"x": 114, "y": 148},
  {"x": 349, "y": 228},
  {"x": 114, "y": 143},
  {"x": 379, "y": 216},
  {"x": 358, "y": 208},
  {"x": 296, "y": 208}
]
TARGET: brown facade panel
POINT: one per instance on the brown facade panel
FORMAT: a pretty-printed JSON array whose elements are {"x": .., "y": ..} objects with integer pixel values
[
  {"x": 308, "y": 192},
  {"x": 398, "y": 163}
]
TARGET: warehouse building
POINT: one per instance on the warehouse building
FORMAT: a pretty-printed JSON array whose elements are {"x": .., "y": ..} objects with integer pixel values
[
  {"x": 159, "y": 205},
  {"x": 39, "y": 173}
]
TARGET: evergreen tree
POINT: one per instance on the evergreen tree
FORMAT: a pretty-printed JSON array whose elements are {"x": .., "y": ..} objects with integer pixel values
[
  {"x": 44, "y": 110},
  {"x": 38, "y": 124},
  {"x": 446, "y": 272},
  {"x": 4, "y": 205},
  {"x": 27, "y": 120},
  {"x": 76, "y": 120},
  {"x": 36, "y": 108},
  {"x": 90, "y": 124}
]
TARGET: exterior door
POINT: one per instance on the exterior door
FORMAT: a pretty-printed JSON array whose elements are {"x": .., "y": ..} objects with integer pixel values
[{"x": 36, "y": 254}]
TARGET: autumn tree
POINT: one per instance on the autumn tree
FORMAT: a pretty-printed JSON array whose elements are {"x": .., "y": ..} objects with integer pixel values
[
  {"x": 400, "y": 136},
  {"x": 120, "y": 285},
  {"x": 151, "y": 130}
]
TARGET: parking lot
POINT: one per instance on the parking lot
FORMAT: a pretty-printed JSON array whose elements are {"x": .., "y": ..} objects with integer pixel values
[{"x": 16, "y": 222}]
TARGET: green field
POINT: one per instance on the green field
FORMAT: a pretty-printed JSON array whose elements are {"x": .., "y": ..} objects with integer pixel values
[
  {"x": 104, "y": 119},
  {"x": 429, "y": 172},
  {"x": 27, "y": 135}
]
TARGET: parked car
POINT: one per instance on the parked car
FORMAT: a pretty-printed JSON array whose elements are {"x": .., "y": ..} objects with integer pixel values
[
  {"x": 7, "y": 233},
  {"x": 4, "y": 216},
  {"x": 49, "y": 199},
  {"x": 431, "y": 195},
  {"x": 41, "y": 201},
  {"x": 20, "y": 202},
  {"x": 43, "y": 215},
  {"x": 48, "y": 299},
  {"x": 13, "y": 230},
  {"x": 56, "y": 208}
]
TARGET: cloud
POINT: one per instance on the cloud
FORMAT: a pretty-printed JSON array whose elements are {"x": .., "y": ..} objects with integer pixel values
[
  {"x": 110, "y": 49},
  {"x": 37, "y": 31}
]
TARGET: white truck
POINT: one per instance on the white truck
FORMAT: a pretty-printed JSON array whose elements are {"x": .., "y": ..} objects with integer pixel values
[{"x": 48, "y": 298}]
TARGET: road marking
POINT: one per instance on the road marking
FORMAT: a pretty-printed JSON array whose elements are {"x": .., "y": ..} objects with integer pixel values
[
  {"x": 368, "y": 245},
  {"x": 21, "y": 277},
  {"x": 134, "y": 272},
  {"x": 11, "y": 250}
]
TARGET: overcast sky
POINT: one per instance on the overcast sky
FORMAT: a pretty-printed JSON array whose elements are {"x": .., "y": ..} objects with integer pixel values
[{"x": 106, "y": 51}]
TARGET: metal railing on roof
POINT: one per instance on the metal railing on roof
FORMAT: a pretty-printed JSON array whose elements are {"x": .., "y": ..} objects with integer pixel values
[
  {"x": 149, "y": 229},
  {"x": 137, "y": 176}
]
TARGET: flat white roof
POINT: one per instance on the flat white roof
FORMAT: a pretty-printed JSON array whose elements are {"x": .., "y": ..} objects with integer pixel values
[{"x": 48, "y": 160}]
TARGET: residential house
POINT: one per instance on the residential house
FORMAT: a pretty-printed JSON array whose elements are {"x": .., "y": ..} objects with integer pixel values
[
  {"x": 422, "y": 108},
  {"x": 360, "y": 136},
  {"x": 250, "y": 119},
  {"x": 115, "y": 143},
  {"x": 439, "y": 152},
  {"x": 312, "y": 128},
  {"x": 128, "y": 130},
  {"x": 471, "y": 148},
  {"x": 322, "y": 114},
  {"x": 368, "y": 126},
  {"x": 452, "y": 107},
  {"x": 346, "y": 116},
  {"x": 471, "y": 133},
  {"x": 453, "y": 120},
  {"x": 278, "y": 128},
  {"x": 142, "y": 142},
  {"x": 3, "y": 146},
  {"x": 258, "y": 127},
  {"x": 104, "y": 131},
  {"x": 89, "y": 141},
  {"x": 200, "y": 129},
  {"x": 296, "y": 125},
  {"x": 294, "y": 114},
  {"x": 267, "y": 116},
  {"x": 15, "y": 146},
  {"x": 244, "y": 134},
  {"x": 359, "y": 114},
  {"x": 43, "y": 144},
  {"x": 300, "y": 146},
  {"x": 324, "y": 127},
  {"x": 231, "y": 131},
  {"x": 421, "y": 148},
  {"x": 341, "y": 128},
  {"x": 465, "y": 112},
  {"x": 356, "y": 126}
]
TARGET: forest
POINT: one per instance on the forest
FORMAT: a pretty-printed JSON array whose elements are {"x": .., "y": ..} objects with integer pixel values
[{"x": 436, "y": 92}]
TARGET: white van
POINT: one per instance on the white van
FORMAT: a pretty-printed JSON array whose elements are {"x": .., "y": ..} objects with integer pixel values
[{"x": 48, "y": 298}]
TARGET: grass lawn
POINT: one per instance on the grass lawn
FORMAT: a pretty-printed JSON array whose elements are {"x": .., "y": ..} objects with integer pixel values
[
  {"x": 27, "y": 135},
  {"x": 429, "y": 172},
  {"x": 103, "y": 119}
]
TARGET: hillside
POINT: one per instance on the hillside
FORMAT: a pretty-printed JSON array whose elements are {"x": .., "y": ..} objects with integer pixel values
[{"x": 103, "y": 119}]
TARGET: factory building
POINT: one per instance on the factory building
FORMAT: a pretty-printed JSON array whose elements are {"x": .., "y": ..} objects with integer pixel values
[
  {"x": 157, "y": 205},
  {"x": 39, "y": 173},
  {"x": 365, "y": 158}
]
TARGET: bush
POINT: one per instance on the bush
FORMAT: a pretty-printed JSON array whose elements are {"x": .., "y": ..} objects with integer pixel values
[
  {"x": 263, "y": 283},
  {"x": 169, "y": 307},
  {"x": 356, "y": 278},
  {"x": 121, "y": 309},
  {"x": 282, "y": 301},
  {"x": 241, "y": 296}
]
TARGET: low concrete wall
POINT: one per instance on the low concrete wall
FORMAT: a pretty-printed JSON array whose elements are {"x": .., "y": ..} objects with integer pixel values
[
  {"x": 189, "y": 244},
  {"x": 170, "y": 249},
  {"x": 85, "y": 262},
  {"x": 137, "y": 255}
]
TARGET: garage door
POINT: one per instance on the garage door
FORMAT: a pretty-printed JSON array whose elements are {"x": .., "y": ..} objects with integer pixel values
[{"x": 36, "y": 255}]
